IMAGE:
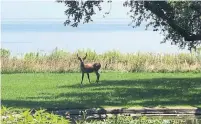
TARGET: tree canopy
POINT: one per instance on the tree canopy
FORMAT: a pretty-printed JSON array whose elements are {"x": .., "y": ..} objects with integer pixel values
[{"x": 178, "y": 21}]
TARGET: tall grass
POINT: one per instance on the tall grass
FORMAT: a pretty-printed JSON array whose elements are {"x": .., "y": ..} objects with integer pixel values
[{"x": 63, "y": 61}]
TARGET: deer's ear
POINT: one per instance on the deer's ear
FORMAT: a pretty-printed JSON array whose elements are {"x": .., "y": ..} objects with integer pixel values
[
  {"x": 78, "y": 57},
  {"x": 85, "y": 57}
]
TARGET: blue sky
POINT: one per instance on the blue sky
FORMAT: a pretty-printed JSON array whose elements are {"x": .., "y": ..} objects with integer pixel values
[{"x": 29, "y": 26}]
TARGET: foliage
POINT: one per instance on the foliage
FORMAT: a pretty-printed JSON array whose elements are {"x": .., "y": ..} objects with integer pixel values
[
  {"x": 78, "y": 9},
  {"x": 10, "y": 116},
  {"x": 58, "y": 54},
  {"x": 60, "y": 61},
  {"x": 179, "y": 21},
  {"x": 4, "y": 53},
  {"x": 139, "y": 120},
  {"x": 31, "y": 56}
]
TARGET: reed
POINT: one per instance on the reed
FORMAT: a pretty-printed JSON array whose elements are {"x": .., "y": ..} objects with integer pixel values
[{"x": 59, "y": 61}]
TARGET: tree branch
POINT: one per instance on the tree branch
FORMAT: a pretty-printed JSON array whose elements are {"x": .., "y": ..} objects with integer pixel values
[
  {"x": 159, "y": 12},
  {"x": 193, "y": 37}
]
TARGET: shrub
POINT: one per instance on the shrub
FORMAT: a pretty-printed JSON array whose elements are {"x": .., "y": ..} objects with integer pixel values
[{"x": 10, "y": 116}]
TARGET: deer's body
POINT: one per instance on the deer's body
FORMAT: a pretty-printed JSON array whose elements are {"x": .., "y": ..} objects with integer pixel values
[{"x": 89, "y": 68}]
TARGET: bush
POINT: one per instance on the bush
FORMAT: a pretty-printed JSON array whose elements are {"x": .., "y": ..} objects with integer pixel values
[
  {"x": 139, "y": 120},
  {"x": 9, "y": 116},
  {"x": 5, "y": 53}
]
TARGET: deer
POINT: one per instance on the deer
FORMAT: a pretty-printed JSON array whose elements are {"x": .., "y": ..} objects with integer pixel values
[{"x": 88, "y": 68}]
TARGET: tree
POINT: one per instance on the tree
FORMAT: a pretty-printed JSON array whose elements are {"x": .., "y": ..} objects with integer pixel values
[{"x": 178, "y": 21}]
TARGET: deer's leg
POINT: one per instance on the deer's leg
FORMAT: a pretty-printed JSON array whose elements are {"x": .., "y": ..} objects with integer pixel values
[
  {"x": 82, "y": 78},
  {"x": 98, "y": 76},
  {"x": 88, "y": 77}
]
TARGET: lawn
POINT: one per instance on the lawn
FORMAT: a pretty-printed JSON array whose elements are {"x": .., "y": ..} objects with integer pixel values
[{"x": 58, "y": 91}]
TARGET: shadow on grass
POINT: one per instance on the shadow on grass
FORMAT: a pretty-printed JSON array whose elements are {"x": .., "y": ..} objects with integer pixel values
[{"x": 124, "y": 93}]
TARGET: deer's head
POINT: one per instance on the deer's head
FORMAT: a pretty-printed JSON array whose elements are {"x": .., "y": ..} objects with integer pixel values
[{"x": 81, "y": 59}]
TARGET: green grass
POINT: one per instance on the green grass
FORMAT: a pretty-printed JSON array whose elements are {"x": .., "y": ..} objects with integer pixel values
[{"x": 58, "y": 91}]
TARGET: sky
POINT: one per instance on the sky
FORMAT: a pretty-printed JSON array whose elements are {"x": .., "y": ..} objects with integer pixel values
[{"x": 31, "y": 26}]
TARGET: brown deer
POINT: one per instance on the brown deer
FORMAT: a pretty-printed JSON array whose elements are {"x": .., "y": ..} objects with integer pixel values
[{"x": 89, "y": 68}]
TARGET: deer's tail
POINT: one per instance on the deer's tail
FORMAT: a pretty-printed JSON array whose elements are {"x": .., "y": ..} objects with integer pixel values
[{"x": 97, "y": 66}]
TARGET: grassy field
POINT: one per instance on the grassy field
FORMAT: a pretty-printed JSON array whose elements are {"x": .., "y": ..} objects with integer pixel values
[{"x": 57, "y": 91}]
